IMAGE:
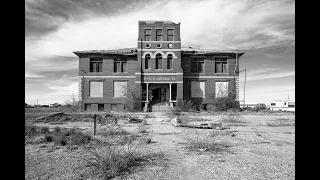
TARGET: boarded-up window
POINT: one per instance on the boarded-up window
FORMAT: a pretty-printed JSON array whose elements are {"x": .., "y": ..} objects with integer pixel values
[
  {"x": 197, "y": 89},
  {"x": 119, "y": 89},
  {"x": 221, "y": 89},
  {"x": 96, "y": 89}
]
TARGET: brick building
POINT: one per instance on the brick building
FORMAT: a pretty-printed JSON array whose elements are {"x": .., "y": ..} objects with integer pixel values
[{"x": 158, "y": 70}]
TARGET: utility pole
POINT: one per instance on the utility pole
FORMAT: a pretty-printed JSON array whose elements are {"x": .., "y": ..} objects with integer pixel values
[{"x": 244, "y": 88}]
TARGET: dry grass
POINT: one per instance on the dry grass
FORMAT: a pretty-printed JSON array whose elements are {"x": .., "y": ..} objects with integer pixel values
[
  {"x": 281, "y": 122},
  {"x": 233, "y": 120},
  {"x": 203, "y": 142}
]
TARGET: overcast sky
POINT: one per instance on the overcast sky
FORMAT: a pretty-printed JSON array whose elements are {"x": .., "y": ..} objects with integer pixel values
[{"x": 263, "y": 30}]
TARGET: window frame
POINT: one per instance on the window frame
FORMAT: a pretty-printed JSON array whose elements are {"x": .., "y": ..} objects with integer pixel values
[
  {"x": 171, "y": 62},
  {"x": 101, "y": 81},
  {"x": 215, "y": 89},
  {"x": 113, "y": 86},
  {"x": 98, "y": 63},
  {"x": 122, "y": 61},
  {"x": 149, "y": 61},
  {"x": 156, "y": 62},
  {"x": 147, "y": 35},
  {"x": 204, "y": 91},
  {"x": 159, "y": 35},
  {"x": 221, "y": 61},
  {"x": 170, "y": 35},
  {"x": 197, "y": 61}
]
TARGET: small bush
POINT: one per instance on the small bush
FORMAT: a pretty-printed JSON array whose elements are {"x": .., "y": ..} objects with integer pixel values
[
  {"x": 79, "y": 138},
  {"x": 31, "y": 130},
  {"x": 143, "y": 129},
  {"x": 44, "y": 130},
  {"x": 60, "y": 139},
  {"x": 144, "y": 122},
  {"x": 56, "y": 129},
  {"x": 70, "y": 132},
  {"x": 186, "y": 106},
  {"x": 224, "y": 103},
  {"x": 48, "y": 138},
  {"x": 195, "y": 141},
  {"x": 113, "y": 131},
  {"x": 281, "y": 122}
]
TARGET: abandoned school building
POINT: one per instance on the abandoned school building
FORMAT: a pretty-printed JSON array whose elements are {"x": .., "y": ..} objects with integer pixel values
[{"x": 159, "y": 70}]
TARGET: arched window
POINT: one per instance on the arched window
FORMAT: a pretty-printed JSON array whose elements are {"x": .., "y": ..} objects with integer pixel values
[
  {"x": 169, "y": 61},
  {"x": 147, "y": 61},
  {"x": 158, "y": 61}
]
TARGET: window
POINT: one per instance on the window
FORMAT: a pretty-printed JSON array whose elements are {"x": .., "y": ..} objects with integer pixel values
[
  {"x": 96, "y": 64},
  {"x": 96, "y": 89},
  {"x": 147, "y": 34},
  {"x": 197, "y": 89},
  {"x": 221, "y": 89},
  {"x": 158, "y": 61},
  {"x": 169, "y": 61},
  {"x": 220, "y": 65},
  {"x": 119, "y": 89},
  {"x": 120, "y": 65},
  {"x": 100, "y": 107},
  {"x": 159, "y": 34},
  {"x": 170, "y": 34},
  {"x": 87, "y": 107},
  {"x": 290, "y": 104},
  {"x": 147, "y": 61},
  {"x": 197, "y": 66},
  {"x": 273, "y": 104}
]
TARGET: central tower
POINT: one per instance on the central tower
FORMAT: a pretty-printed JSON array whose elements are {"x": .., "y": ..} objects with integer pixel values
[{"x": 159, "y": 56}]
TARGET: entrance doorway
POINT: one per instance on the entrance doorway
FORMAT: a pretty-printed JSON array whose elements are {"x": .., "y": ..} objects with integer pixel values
[{"x": 159, "y": 94}]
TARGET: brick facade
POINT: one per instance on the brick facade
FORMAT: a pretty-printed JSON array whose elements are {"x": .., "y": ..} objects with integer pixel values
[{"x": 137, "y": 76}]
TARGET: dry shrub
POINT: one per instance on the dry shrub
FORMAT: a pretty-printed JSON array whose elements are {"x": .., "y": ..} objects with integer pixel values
[
  {"x": 203, "y": 142},
  {"x": 281, "y": 122},
  {"x": 233, "y": 120},
  {"x": 60, "y": 139},
  {"x": 31, "y": 130},
  {"x": 112, "y": 131},
  {"x": 44, "y": 130},
  {"x": 48, "y": 138}
]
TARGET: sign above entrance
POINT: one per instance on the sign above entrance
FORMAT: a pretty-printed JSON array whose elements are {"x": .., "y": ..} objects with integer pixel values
[{"x": 159, "y": 78}]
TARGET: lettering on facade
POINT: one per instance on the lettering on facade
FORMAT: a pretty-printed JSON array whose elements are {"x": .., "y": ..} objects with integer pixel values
[{"x": 159, "y": 78}]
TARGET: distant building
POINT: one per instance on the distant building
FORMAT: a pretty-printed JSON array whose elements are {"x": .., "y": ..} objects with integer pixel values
[
  {"x": 158, "y": 70},
  {"x": 54, "y": 105},
  {"x": 282, "y": 105}
]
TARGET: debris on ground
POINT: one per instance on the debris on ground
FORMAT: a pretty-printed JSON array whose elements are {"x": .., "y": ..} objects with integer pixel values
[
  {"x": 134, "y": 120},
  {"x": 58, "y": 116},
  {"x": 176, "y": 122}
]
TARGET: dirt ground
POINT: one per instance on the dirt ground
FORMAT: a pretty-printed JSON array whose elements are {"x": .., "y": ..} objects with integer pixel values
[{"x": 254, "y": 151}]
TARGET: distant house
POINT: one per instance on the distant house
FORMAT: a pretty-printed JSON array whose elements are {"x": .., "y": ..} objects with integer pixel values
[
  {"x": 282, "y": 105},
  {"x": 55, "y": 105},
  {"x": 26, "y": 105}
]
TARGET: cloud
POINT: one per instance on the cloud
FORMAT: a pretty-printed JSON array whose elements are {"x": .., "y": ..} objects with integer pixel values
[
  {"x": 264, "y": 75},
  {"x": 54, "y": 29}
]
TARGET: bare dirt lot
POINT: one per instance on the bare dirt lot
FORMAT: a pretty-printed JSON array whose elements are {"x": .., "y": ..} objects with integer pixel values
[{"x": 251, "y": 145}]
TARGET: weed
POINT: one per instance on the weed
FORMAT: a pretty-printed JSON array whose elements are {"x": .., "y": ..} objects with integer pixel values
[
  {"x": 112, "y": 131},
  {"x": 233, "y": 120},
  {"x": 281, "y": 122},
  {"x": 31, "y": 130},
  {"x": 79, "y": 138},
  {"x": 60, "y": 139},
  {"x": 44, "y": 130},
  {"x": 56, "y": 130},
  {"x": 48, "y": 138}
]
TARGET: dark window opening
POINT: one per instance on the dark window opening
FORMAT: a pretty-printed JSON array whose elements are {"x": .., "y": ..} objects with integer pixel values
[
  {"x": 147, "y": 34},
  {"x": 87, "y": 107},
  {"x": 170, "y": 34},
  {"x": 100, "y": 107},
  {"x": 220, "y": 65},
  {"x": 169, "y": 61},
  {"x": 273, "y": 104},
  {"x": 147, "y": 61},
  {"x": 96, "y": 64},
  {"x": 120, "y": 65},
  {"x": 197, "y": 66},
  {"x": 158, "y": 61},
  {"x": 159, "y": 35}
]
